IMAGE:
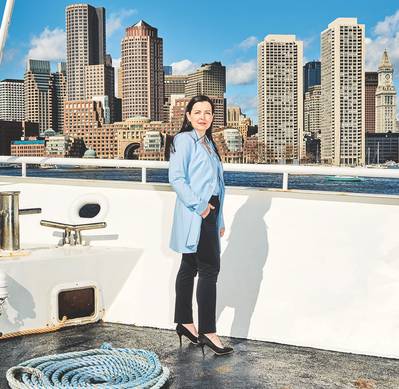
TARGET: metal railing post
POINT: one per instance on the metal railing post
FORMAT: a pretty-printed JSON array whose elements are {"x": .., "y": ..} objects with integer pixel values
[
  {"x": 285, "y": 181},
  {"x": 143, "y": 174},
  {"x": 23, "y": 169}
]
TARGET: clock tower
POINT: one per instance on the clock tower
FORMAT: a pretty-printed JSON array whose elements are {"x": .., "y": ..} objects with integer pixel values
[{"x": 385, "y": 97}]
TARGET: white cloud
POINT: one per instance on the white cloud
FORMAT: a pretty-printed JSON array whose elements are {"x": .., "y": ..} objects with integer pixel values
[
  {"x": 385, "y": 36},
  {"x": 116, "y": 62},
  {"x": 389, "y": 26},
  {"x": 50, "y": 45},
  {"x": 249, "y": 42},
  {"x": 184, "y": 67},
  {"x": 116, "y": 19},
  {"x": 241, "y": 73}
]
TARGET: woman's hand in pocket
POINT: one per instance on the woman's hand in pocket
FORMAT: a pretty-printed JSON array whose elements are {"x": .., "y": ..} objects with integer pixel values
[{"x": 207, "y": 210}]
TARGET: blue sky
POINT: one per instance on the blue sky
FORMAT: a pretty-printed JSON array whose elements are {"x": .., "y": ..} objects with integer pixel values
[{"x": 204, "y": 31}]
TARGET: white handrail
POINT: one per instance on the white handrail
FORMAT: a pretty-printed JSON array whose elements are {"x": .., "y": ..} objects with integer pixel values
[
  {"x": 231, "y": 167},
  {"x": 5, "y": 23}
]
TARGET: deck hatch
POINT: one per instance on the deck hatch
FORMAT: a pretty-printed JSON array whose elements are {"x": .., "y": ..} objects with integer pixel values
[{"x": 76, "y": 303}]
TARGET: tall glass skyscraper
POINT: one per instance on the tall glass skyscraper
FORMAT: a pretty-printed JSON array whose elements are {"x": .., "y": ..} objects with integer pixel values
[{"x": 311, "y": 75}]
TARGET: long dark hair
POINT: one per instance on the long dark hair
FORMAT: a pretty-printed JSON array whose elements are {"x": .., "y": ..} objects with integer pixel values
[{"x": 187, "y": 125}]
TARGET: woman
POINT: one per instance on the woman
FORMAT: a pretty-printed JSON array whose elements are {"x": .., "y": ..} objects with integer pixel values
[{"x": 196, "y": 175}]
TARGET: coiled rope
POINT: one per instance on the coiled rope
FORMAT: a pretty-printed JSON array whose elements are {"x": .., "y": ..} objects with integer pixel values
[
  {"x": 103, "y": 368},
  {"x": 35, "y": 331}
]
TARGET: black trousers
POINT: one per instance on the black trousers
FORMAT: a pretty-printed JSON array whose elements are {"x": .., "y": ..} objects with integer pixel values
[{"x": 205, "y": 262}]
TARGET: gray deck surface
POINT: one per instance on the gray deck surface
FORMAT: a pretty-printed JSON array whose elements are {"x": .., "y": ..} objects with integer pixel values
[{"x": 253, "y": 364}]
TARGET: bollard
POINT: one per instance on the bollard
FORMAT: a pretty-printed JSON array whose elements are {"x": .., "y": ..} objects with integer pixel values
[{"x": 9, "y": 221}]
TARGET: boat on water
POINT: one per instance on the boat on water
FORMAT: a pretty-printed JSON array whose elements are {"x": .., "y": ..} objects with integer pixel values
[{"x": 345, "y": 178}]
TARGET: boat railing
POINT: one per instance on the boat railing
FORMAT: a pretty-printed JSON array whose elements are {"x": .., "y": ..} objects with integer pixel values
[{"x": 285, "y": 170}]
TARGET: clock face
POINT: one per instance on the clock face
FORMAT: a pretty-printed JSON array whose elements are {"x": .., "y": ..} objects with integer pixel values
[{"x": 387, "y": 76}]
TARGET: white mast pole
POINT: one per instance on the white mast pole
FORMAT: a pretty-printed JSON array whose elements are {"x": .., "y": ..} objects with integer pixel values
[{"x": 5, "y": 23}]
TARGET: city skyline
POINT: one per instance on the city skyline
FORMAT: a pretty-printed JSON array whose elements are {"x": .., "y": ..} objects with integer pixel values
[{"x": 236, "y": 50}]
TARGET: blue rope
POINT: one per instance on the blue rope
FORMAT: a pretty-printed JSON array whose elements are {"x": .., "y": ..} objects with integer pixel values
[{"x": 103, "y": 368}]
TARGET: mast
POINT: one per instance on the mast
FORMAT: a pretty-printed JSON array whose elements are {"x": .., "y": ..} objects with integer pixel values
[{"x": 5, "y": 23}]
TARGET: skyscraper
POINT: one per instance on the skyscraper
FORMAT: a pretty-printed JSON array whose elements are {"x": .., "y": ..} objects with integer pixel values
[
  {"x": 12, "y": 103},
  {"x": 85, "y": 28},
  {"x": 38, "y": 93},
  {"x": 142, "y": 72},
  {"x": 370, "y": 87},
  {"x": 311, "y": 124},
  {"x": 385, "y": 97},
  {"x": 100, "y": 81},
  {"x": 118, "y": 93},
  {"x": 168, "y": 70},
  {"x": 234, "y": 116},
  {"x": 342, "y": 93},
  {"x": 280, "y": 94},
  {"x": 210, "y": 80},
  {"x": 311, "y": 74},
  {"x": 174, "y": 85},
  {"x": 312, "y": 110},
  {"x": 59, "y": 86}
]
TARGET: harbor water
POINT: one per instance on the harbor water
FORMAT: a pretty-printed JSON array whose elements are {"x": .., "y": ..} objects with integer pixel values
[{"x": 259, "y": 180}]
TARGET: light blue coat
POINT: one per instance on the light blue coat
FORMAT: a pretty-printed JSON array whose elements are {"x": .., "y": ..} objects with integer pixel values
[{"x": 192, "y": 177}]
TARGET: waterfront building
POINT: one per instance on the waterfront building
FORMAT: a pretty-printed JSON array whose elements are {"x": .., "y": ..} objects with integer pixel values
[
  {"x": 342, "y": 93},
  {"x": 129, "y": 137},
  {"x": 311, "y": 75},
  {"x": 233, "y": 139},
  {"x": 280, "y": 94},
  {"x": 100, "y": 81},
  {"x": 28, "y": 148},
  {"x": 117, "y": 109},
  {"x": 142, "y": 72},
  {"x": 38, "y": 93},
  {"x": 385, "y": 97},
  {"x": 85, "y": 30},
  {"x": 64, "y": 146},
  {"x": 152, "y": 147},
  {"x": 210, "y": 80},
  {"x": 168, "y": 70},
  {"x": 85, "y": 119},
  {"x": 370, "y": 87},
  {"x": 13, "y": 130},
  {"x": 174, "y": 86},
  {"x": 224, "y": 140},
  {"x": 234, "y": 115},
  {"x": 382, "y": 147},
  {"x": 178, "y": 111},
  {"x": 312, "y": 110},
  {"x": 312, "y": 123},
  {"x": 236, "y": 119},
  {"x": 244, "y": 126},
  {"x": 251, "y": 149},
  {"x": 59, "y": 90},
  {"x": 12, "y": 102},
  {"x": 118, "y": 93}
]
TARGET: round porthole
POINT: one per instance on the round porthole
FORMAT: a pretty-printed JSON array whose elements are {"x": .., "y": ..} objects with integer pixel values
[
  {"x": 88, "y": 211},
  {"x": 88, "y": 208}
]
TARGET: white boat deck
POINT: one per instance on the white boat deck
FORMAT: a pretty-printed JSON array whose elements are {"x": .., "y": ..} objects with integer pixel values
[{"x": 302, "y": 268}]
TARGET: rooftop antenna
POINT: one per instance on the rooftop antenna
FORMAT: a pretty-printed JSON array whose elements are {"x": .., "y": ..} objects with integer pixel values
[{"x": 5, "y": 23}]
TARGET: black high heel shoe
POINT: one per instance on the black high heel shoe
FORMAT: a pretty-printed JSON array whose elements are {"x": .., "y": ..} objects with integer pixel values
[
  {"x": 181, "y": 330},
  {"x": 204, "y": 340}
]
